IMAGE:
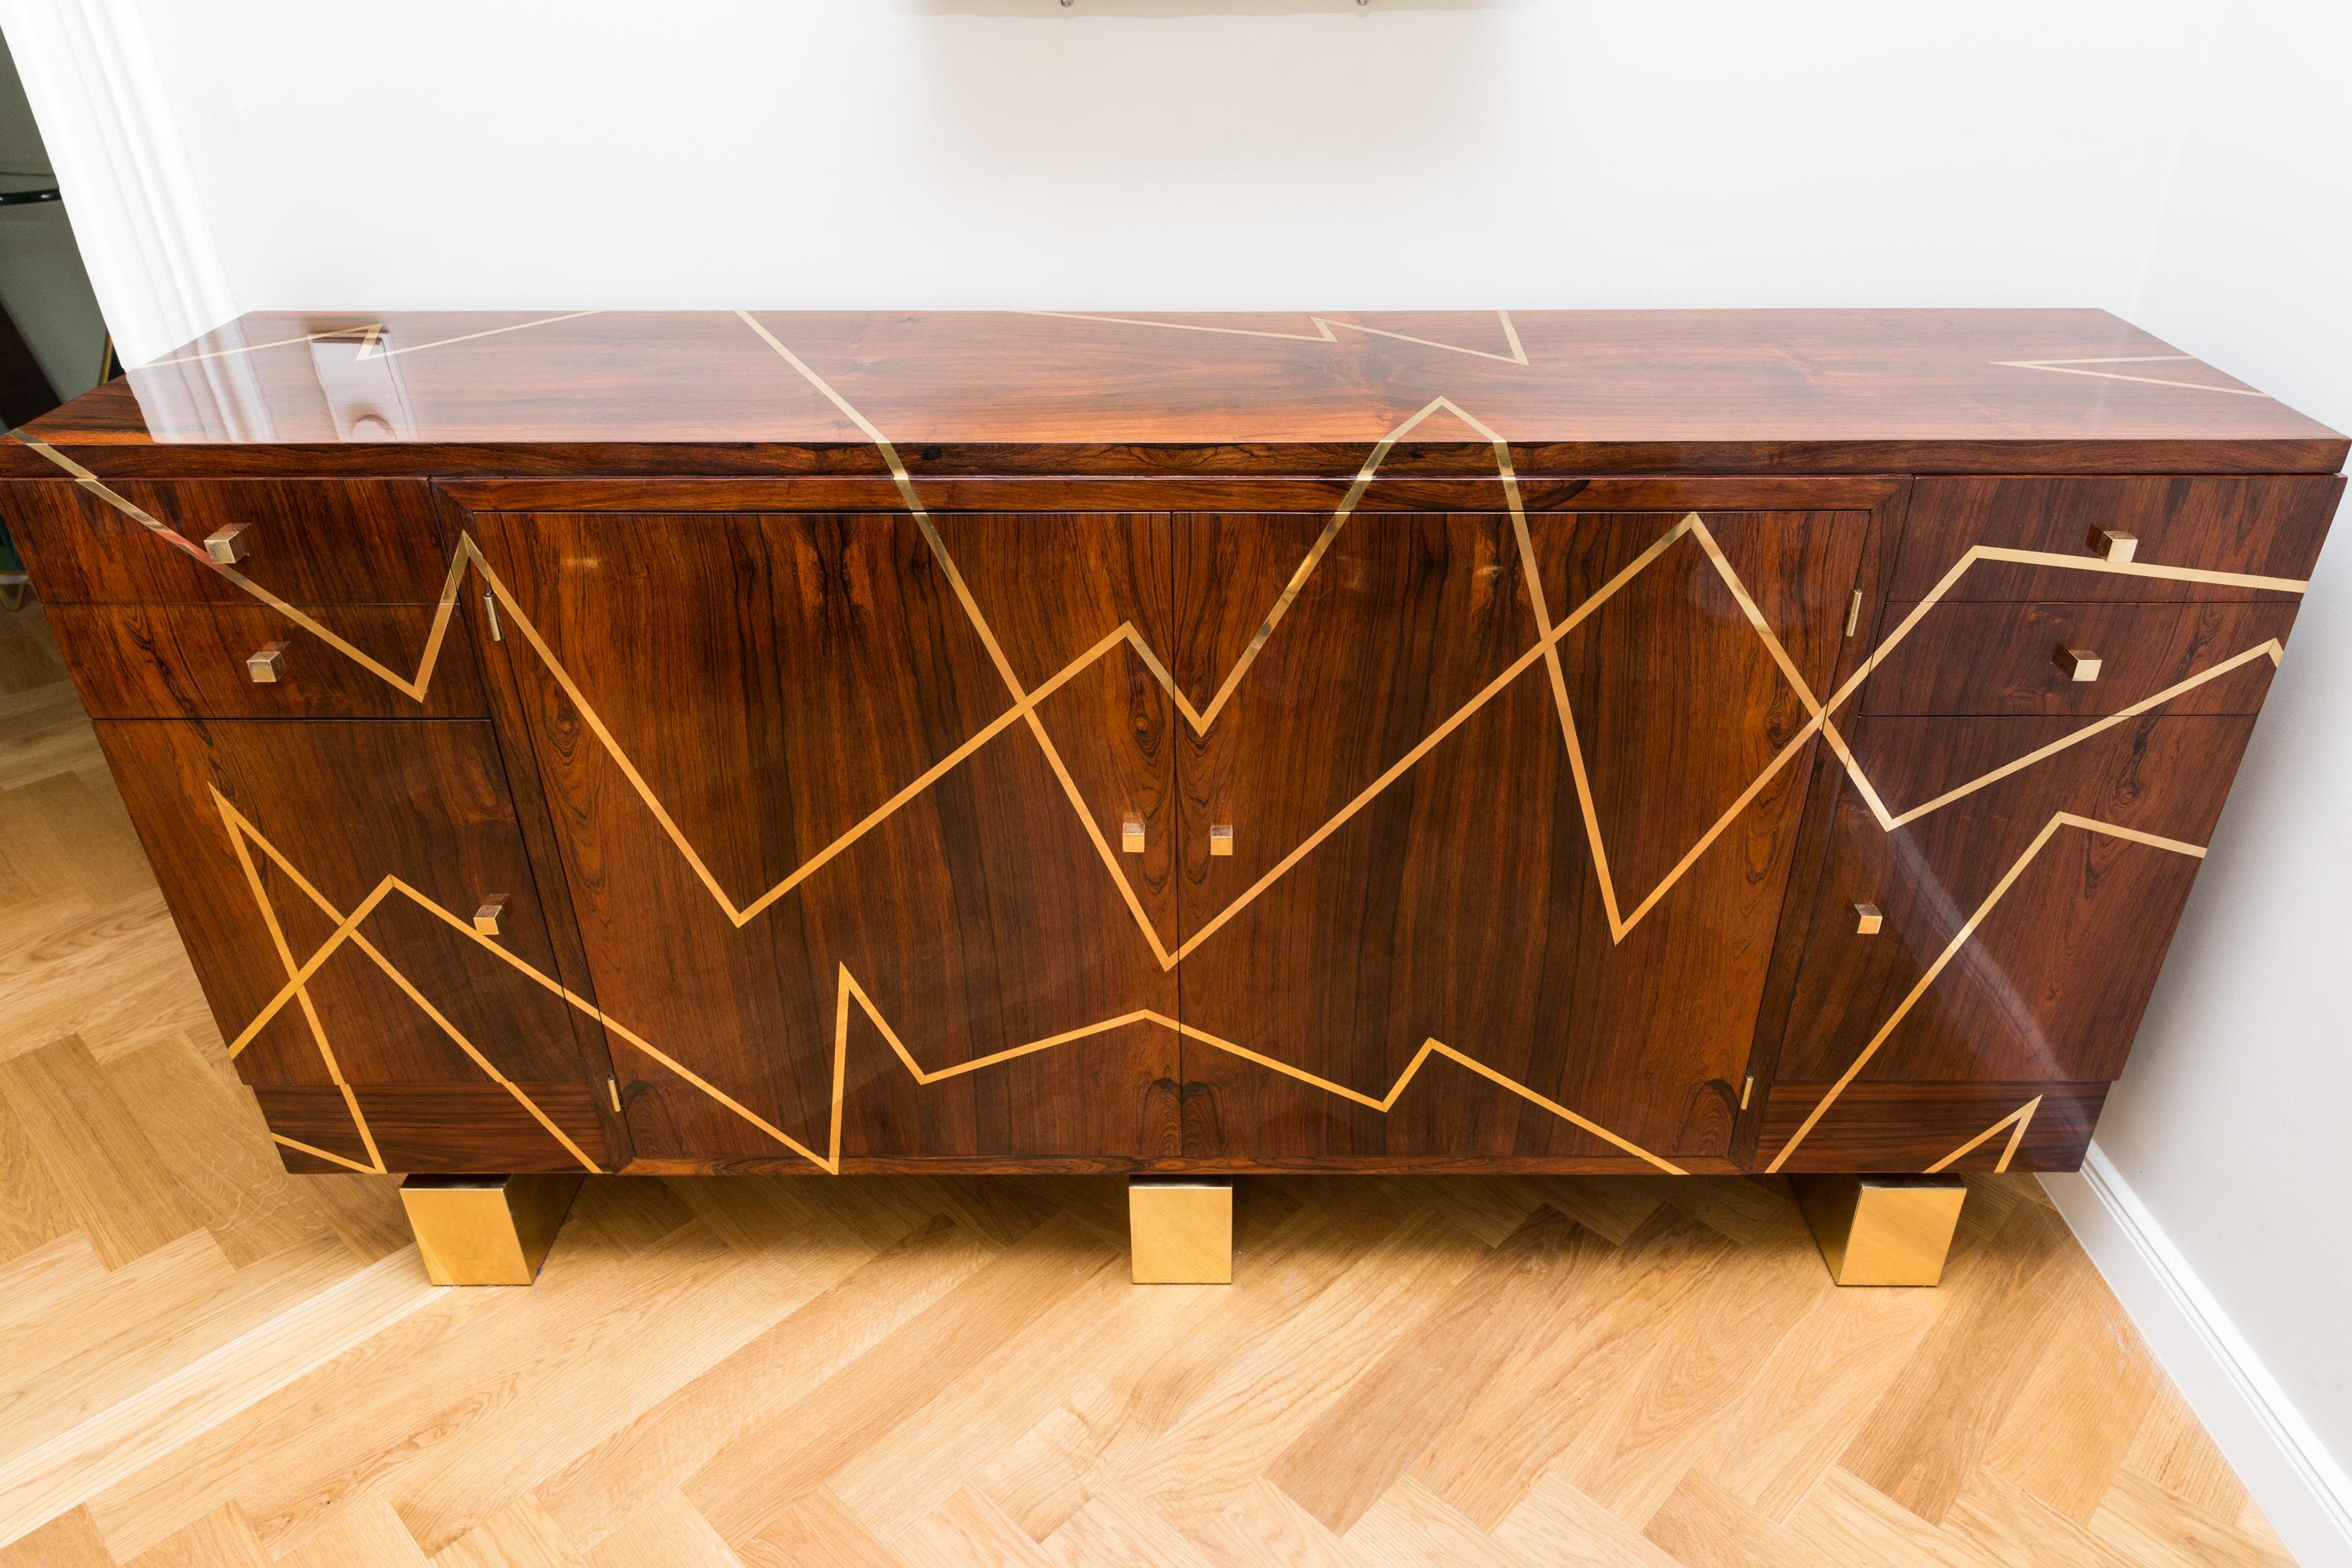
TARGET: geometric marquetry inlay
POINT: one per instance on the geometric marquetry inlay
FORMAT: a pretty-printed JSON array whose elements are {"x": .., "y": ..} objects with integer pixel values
[{"x": 1347, "y": 871}]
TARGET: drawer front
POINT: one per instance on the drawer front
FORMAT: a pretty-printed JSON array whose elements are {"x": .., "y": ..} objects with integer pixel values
[
  {"x": 2079, "y": 657},
  {"x": 383, "y": 865},
  {"x": 2010, "y": 935},
  {"x": 442, "y": 1127},
  {"x": 1936, "y": 1126},
  {"x": 209, "y": 661},
  {"x": 2260, "y": 527},
  {"x": 309, "y": 541}
]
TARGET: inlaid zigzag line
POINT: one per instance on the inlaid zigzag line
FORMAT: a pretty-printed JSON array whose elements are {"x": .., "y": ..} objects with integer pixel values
[
  {"x": 371, "y": 340},
  {"x": 413, "y": 688},
  {"x": 347, "y": 928},
  {"x": 1202, "y": 718},
  {"x": 1548, "y": 637},
  {"x": 1321, "y": 334},
  {"x": 468, "y": 554},
  {"x": 2017, "y": 1121},
  {"x": 1022, "y": 704},
  {"x": 1026, "y": 702},
  {"x": 296, "y": 979},
  {"x": 2271, "y": 649},
  {"x": 1547, "y": 640},
  {"x": 1959, "y": 940},
  {"x": 2073, "y": 367}
]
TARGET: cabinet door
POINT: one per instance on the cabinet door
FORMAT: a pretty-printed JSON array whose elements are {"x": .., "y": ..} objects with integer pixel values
[
  {"x": 843, "y": 826},
  {"x": 327, "y": 877},
  {"x": 1456, "y": 889}
]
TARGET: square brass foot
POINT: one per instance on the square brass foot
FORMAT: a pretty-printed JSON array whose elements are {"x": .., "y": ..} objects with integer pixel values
[
  {"x": 485, "y": 1230},
  {"x": 1180, "y": 1229},
  {"x": 1883, "y": 1230}
]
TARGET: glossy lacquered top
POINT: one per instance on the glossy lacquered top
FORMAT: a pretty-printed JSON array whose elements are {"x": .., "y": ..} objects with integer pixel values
[{"x": 1603, "y": 391}]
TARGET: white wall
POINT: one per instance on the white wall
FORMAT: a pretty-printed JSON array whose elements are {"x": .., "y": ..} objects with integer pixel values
[
  {"x": 1176, "y": 154},
  {"x": 2183, "y": 162},
  {"x": 2235, "y": 1123}
]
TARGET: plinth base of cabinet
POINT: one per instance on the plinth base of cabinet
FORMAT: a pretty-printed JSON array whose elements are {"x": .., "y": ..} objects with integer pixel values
[
  {"x": 1883, "y": 1230},
  {"x": 1180, "y": 1229},
  {"x": 485, "y": 1230}
]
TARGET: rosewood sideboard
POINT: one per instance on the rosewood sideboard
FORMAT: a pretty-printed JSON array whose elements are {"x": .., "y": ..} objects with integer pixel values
[{"x": 1170, "y": 744}]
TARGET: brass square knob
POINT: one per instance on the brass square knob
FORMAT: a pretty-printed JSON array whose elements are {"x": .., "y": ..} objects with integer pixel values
[
  {"x": 1131, "y": 835},
  {"x": 2115, "y": 545},
  {"x": 1221, "y": 838},
  {"x": 226, "y": 545},
  {"x": 2079, "y": 664},
  {"x": 264, "y": 666},
  {"x": 485, "y": 917},
  {"x": 1867, "y": 920}
]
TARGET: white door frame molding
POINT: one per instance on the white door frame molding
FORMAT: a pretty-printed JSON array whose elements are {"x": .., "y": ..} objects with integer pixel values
[{"x": 90, "y": 74}]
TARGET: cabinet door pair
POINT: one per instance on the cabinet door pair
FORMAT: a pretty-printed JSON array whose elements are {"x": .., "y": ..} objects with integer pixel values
[{"x": 1256, "y": 838}]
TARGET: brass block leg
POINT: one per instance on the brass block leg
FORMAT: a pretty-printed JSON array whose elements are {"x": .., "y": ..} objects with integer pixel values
[
  {"x": 485, "y": 1230},
  {"x": 1883, "y": 1230},
  {"x": 1180, "y": 1229}
]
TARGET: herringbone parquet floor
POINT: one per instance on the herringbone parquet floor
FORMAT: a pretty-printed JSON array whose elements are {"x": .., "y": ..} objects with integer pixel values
[{"x": 205, "y": 1361}]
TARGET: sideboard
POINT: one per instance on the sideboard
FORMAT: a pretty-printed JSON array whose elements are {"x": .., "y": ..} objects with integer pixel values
[{"x": 1169, "y": 744}]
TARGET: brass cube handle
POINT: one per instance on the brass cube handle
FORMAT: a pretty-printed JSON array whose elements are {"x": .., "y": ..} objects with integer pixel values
[
  {"x": 1131, "y": 835},
  {"x": 1867, "y": 920},
  {"x": 486, "y": 917},
  {"x": 2114, "y": 545},
  {"x": 1221, "y": 838},
  {"x": 2079, "y": 664},
  {"x": 226, "y": 545},
  {"x": 264, "y": 666}
]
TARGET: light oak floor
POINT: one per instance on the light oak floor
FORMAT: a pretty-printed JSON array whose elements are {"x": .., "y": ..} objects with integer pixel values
[{"x": 203, "y": 1361}]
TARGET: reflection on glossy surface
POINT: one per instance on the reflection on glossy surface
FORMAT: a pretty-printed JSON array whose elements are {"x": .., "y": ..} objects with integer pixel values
[
  {"x": 707, "y": 376},
  {"x": 1433, "y": 793}
]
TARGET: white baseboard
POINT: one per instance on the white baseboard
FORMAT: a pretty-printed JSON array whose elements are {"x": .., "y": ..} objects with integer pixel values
[{"x": 2298, "y": 1484}]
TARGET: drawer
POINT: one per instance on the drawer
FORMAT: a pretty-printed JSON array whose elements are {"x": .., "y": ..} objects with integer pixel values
[
  {"x": 439, "y": 1126},
  {"x": 1934, "y": 1126},
  {"x": 2262, "y": 526},
  {"x": 190, "y": 661},
  {"x": 309, "y": 541},
  {"x": 413, "y": 821},
  {"x": 1995, "y": 658},
  {"x": 2043, "y": 941}
]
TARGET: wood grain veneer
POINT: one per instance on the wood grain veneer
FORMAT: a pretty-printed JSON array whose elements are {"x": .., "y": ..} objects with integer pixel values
[
  {"x": 1619, "y": 391},
  {"x": 1421, "y": 1367},
  {"x": 1408, "y": 742}
]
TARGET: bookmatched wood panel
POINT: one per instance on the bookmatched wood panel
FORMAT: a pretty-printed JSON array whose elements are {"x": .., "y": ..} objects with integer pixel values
[
  {"x": 1463, "y": 902},
  {"x": 802, "y": 820}
]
